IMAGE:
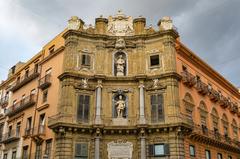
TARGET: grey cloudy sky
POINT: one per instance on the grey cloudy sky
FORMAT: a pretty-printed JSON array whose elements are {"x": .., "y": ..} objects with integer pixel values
[{"x": 211, "y": 28}]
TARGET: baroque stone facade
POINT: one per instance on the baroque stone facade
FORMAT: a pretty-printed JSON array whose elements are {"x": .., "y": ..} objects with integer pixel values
[{"x": 122, "y": 90}]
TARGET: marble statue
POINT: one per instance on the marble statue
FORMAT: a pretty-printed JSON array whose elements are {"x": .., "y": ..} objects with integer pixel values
[
  {"x": 120, "y": 106},
  {"x": 120, "y": 63}
]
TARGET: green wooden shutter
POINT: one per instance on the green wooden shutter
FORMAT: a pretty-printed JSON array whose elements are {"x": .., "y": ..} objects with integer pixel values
[
  {"x": 166, "y": 149},
  {"x": 80, "y": 107},
  {"x": 153, "y": 108},
  {"x": 86, "y": 107},
  {"x": 160, "y": 107},
  {"x": 151, "y": 150},
  {"x": 84, "y": 149}
]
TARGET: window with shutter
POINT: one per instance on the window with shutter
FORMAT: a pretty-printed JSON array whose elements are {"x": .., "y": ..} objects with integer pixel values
[
  {"x": 86, "y": 60},
  {"x": 83, "y": 108},
  {"x": 81, "y": 151},
  {"x": 157, "y": 112},
  {"x": 159, "y": 149}
]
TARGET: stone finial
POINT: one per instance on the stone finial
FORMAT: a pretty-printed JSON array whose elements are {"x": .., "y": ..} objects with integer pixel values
[
  {"x": 165, "y": 23},
  {"x": 75, "y": 23}
]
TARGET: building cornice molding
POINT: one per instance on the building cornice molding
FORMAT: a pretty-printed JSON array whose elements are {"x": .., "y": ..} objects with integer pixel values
[{"x": 194, "y": 59}]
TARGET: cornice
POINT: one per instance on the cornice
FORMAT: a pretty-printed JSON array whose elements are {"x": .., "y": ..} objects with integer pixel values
[
  {"x": 194, "y": 59},
  {"x": 56, "y": 52},
  {"x": 83, "y": 34}
]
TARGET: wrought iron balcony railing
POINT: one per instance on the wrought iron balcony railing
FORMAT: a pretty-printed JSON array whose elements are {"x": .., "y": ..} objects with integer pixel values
[
  {"x": 10, "y": 136},
  {"x": 24, "y": 80},
  {"x": 214, "y": 136},
  {"x": 21, "y": 105},
  {"x": 45, "y": 82}
]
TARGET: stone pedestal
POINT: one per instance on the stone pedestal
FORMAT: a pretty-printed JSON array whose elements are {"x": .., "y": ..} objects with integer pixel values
[{"x": 120, "y": 121}]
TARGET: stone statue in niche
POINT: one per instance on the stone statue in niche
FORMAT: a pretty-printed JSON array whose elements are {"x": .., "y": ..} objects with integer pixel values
[
  {"x": 120, "y": 107},
  {"x": 120, "y": 65}
]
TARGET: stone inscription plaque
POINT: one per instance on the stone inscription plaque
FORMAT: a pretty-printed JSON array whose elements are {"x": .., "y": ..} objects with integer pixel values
[{"x": 120, "y": 150}]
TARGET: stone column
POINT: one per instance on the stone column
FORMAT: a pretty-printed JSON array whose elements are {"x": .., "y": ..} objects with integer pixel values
[
  {"x": 98, "y": 103},
  {"x": 97, "y": 148},
  {"x": 143, "y": 147},
  {"x": 141, "y": 104}
]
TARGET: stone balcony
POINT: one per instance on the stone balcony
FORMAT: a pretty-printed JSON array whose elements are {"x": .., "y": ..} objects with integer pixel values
[
  {"x": 214, "y": 95},
  {"x": 188, "y": 79},
  {"x": 21, "y": 105},
  {"x": 205, "y": 135},
  {"x": 202, "y": 88},
  {"x": 10, "y": 136},
  {"x": 45, "y": 82},
  {"x": 24, "y": 80}
]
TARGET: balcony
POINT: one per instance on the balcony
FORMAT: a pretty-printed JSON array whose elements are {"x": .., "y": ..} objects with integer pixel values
[
  {"x": 24, "y": 80},
  {"x": 201, "y": 87},
  {"x": 10, "y": 136},
  {"x": 213, "y": 137},
  {"x": 214, "y": 95},
  {"x": 45, "y": 82},
  {"x": 188, "y": 79},
  {"x": 21, "y": 105},
  {"x": 223, "y": 101},
  {"x": 4, "y": 101},
  {"x": 233, "y": 107}
]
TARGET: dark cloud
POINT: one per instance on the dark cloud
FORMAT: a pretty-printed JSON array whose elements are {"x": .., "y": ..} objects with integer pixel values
[{"x": 209, "y": 28}]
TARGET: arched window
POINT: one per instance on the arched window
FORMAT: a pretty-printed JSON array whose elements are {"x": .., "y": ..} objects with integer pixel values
[
  {"x": 225, "y": 124},
  {"x": 203, "y": 116},
  {"x": 235, "y": 129},
  {"x": 188, "y": 105},
  {"x": 215, "y": 119}
]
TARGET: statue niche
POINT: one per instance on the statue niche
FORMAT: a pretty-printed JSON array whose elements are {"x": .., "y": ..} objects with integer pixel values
[
  {"x": 119, "y": 106},
  {"x": 120, "y": 65}
]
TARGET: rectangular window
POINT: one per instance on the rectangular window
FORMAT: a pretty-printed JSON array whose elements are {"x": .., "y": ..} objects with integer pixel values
[
  {"x": 44, "y": 96},
  {"x": 219, "y": 156},
  {"x": 192, "y": 150},
  {"x": 81, "y": 151},
  {"x": 18, "y": 127},
  {"x": 25, "y": 152},
  {"x": 157, "y": 112},
  {"x": 10, "y": 131},
  {"x": 154, "y": 60},
  {"x": 86, "y": 60},
  {"x": 229, "y": 157},
  {"x": 14, "y": 154},
  {"x": 28, "y": 126},
  {"x": 26, "y": 73},
  {"x": 83, "y": 108},
  {"x": 36, "y": 68},
  {"x": 38, "y": 154},
  {"x": 207, "y": 154},
  {"x": 48, "y": 148},
  {"x": 41, "y": 128},
  {"x": 158, "y": 150},
  {"x": 5, "y": 156}
]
